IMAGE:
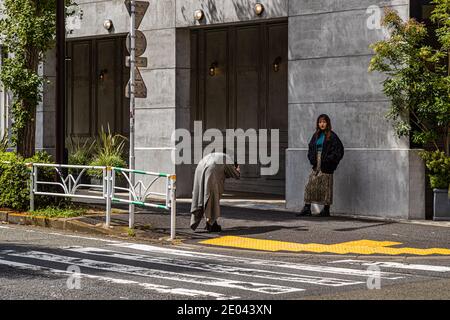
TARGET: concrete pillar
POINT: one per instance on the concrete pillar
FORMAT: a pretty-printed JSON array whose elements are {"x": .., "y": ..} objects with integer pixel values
[
  {"x": 156, "y": 115},
  {"x": 45, "y": 112},
  {"x": 329, "y": 56}
]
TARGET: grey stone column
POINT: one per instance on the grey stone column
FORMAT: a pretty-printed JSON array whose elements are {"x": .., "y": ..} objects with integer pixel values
[
  {"x": 329, "y": 56},
  {"x": 156, "y": 115},
  {"x": 183, "y": 104},
  {"x": 45, "y": 112}
]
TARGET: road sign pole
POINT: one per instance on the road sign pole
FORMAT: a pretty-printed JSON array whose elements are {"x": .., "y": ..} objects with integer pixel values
[{"x": 132, "y": 103}]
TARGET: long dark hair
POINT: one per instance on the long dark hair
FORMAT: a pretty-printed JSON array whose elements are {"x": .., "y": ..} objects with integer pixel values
[{"x": 328, "y": 129}]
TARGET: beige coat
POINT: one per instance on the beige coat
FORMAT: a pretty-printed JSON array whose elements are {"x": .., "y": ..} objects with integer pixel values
[{"x": 208, "y": 188}]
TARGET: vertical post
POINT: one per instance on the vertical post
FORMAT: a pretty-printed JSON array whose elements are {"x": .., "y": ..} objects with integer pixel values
[
  {"x": 70, "y": 180},
  {"x": 60, "y": 80},
  {"x": 132, "y": 103},
  {"x": 173, "y": 206},
  {"x": 167, "y": 191},
  {"x": 109, "y": 187},
  {"x": 32, "y": 188},
  {"x": 104, "y": 182}
]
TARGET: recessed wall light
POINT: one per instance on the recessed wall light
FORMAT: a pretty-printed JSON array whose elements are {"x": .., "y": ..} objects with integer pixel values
[
  {"x": 107, "y": 24},
  {"x": 276, "y": 64},
  {"x": 212, "y": 68},
  {"x": 198, "y": 15},
  {"x": 259, "y": 9}
]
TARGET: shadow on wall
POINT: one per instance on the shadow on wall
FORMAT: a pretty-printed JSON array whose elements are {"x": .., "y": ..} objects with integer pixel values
[
  {"x": 243, "y": 10},
  {"x": 212, "y": 13}
]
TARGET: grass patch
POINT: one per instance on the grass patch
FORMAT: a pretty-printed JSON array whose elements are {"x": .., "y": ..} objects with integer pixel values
[
  {"x": 131, "y": 232},
  {"x": 54, "y": 212}
]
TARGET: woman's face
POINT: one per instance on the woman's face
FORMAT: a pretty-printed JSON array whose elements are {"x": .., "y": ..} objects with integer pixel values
[{"x": 322, "y": 124}]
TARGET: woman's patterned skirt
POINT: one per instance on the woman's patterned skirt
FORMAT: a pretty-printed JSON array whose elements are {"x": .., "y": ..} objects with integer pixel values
[{"x": 319, "y": 188}]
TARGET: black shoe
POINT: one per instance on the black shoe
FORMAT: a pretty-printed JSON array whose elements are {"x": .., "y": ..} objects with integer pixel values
[
  {"x": 213, "y": 228},
  {"x": 306, "y": 212},
  {"x": 325, "y": 212}
]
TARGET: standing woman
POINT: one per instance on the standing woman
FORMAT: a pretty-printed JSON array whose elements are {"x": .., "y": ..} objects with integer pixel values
[{"x": 325, "y": 152}]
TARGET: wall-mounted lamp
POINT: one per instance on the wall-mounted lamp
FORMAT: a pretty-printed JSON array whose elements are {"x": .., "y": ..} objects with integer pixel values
[
  {"x": 198, "y": 15},
  {"x": 276, "y": 64},
  {"x": 108, "y": 24},
  {"x": 259, "y": 9},
  {"x": 212, "y": 68},
  {"x": 102, "y": 75}
]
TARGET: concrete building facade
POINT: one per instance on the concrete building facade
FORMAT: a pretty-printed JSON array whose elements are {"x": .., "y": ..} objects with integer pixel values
[{"x": 324, "y": 51}]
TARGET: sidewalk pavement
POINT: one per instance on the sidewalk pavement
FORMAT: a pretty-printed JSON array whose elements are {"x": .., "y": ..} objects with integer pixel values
[{"x": 266, "y": 225}]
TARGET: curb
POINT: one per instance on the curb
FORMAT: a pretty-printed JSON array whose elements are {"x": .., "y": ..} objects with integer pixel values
[
  {"x": 73, "y": 225},
  {"x": 66, "y": 224}
]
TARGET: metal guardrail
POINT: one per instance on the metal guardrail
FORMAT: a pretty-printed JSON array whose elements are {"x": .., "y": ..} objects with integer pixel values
[
  {"x": 69, "y": 184},
  {"x": 139, "y": 193}
]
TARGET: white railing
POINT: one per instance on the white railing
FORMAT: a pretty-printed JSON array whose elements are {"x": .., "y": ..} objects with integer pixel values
[
  {"x": 69, "y": 184},
  {"x": 139, "y": 193}
]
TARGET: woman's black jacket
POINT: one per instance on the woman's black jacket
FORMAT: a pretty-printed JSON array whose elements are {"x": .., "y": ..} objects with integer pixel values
[{"x": 332, "y": 153}]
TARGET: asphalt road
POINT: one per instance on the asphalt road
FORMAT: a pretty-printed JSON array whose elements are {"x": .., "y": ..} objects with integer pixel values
[{"x": 37, "y": 263}]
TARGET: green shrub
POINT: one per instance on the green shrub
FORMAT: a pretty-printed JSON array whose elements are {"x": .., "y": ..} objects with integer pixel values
[
  {"x": 4, "y": 143},
  {"x": 110, "y": 144},
  {"x": 110, "y": 148},
  {"x": 80, "y": 153},
  {"x": 15, "y": 181},
  {"x": 104, "y": 160},
  {"x": 438, "y": 165}
]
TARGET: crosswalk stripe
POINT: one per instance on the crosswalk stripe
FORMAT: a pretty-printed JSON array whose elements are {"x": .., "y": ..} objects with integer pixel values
[
  {"x": 260, "y": 262},
  {"x": 160, "y": 274},
  {"x": 147, "y": 286},
  {"x": 278, "y": 276},
  {"x": 396, "y": 265}
]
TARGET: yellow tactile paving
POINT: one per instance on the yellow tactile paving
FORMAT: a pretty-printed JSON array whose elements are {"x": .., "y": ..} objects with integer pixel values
[{"x": 363, "y": 247}]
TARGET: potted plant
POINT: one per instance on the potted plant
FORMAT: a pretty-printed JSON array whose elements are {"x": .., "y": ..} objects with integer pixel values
[
  {"x": 80, "y": 153},
  {"x": 110, "y": 152},
  {"x": 438, "y": 165}
]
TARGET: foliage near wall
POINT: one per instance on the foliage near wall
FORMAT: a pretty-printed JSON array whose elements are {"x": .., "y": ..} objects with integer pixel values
[
  {"x": 28, "y": 29},
  {"x": 28, "y": 32},
  {"x": 15, "y": 181},
  {"x": 417, "y": 81},
  {"x": 418, "y": 84}
]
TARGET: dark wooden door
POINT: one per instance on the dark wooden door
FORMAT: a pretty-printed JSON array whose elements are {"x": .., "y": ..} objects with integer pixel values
[
  {"x": 246, "y": 91},
  {"x": 96, "y": 80}
]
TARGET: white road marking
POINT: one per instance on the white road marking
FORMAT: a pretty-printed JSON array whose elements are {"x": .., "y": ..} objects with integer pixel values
[
  {"x": 277, "y": 276},
  {"x": 67, "y": 235},
  {"x": 154, "y": 273},
  {"x": 396, "y": 265},
  {"x": 259, "y": 262},
  {"x": 147, "y": 286},
  {"x": 81, "y": 237}
]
